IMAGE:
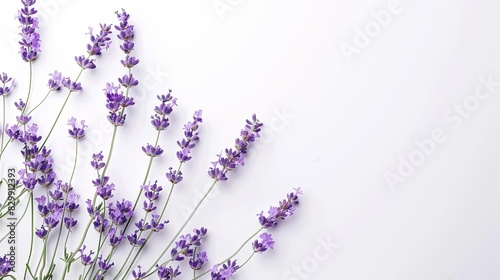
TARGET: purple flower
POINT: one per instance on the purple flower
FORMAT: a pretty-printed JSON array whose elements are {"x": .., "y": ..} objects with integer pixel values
[
  {"x": 120, "y": 213},
  {"x": 100, "y": 223},
  {"x": 169, "y": 273},
  {"x": 103, "y": 264},
  {"x": 130, "y": 61},
  {"x": 71, "y": 204},
  {"x": 85, "y": 63},
  {"x": 99, "y": 41},
  {"x": 23, "y": 119},
  {"x": 135, "y": 240},
  {"x": 199, "y": 261},
  {"x": 76, "y": 131},
  {"x": 6, "y": 88},
  {"x": 115, "y": 119},
  {"x": 142, "y": 226},
  {"x": 69, "y": 222},
  {"x": 128, "y": 81},
  {"x": 28, "y": 179},
  {"x": 186, "y": 244},
  {"x": 152, "y": 191},
  {"x": 56, "y": 82},
  {"x": 106, "y": 191},
  {"x": 41, "y": 233},
  {"x": 97, "y": 161},
  {"x": 191, "y": 137},
  {"x": 30, "y": 41},
  {"x": 160, "y": 120},
  {"x": 156, "y": 225},
  {"x": 266, "y": 242},
  {"x": 21, "y": 105},
  {"x": 225, "y": 272},
  {"x": 286, "y": 208},
  {"x": 71, "y": 85},
  {"x": 113, "y": 239},
  {"x": 5, "y": 266},
  {"x": 235, "y": 158},
  {"x": 53, "y": 219},
  {"x": 139, "y": 274},
  {"x": 86, "y": 259},
  {"x": 173, "y": 176},
  {"x": 152, "y": 151}
]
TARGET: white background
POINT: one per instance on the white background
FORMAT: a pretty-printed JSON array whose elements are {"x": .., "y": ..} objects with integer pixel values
[{"x": 336, "y": 125}]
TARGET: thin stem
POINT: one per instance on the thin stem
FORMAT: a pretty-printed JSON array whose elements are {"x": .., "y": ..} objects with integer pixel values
[
  {"x": 38, "y": 105},
  {"x": 137, "y": 255},
  {"x": 60, "y": 111},
  {"x": 3, "y": 119},
  {"x": 143, "y": 181},
  {"x": 110, "y": 152},
  {"x": 182, "y": 228},
  {"x": 64, "y": 210},
  {"x": 32, "y": 233},
  {"x": 29, "y": 87}
]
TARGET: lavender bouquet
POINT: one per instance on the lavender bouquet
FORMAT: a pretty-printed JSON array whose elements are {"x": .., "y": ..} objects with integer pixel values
[{"x": 93, "y": 234}]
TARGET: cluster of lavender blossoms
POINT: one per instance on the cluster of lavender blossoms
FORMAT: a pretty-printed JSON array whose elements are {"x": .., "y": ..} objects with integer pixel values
[
  {"x": 117, "y": 224},
  {"x": 30, "y": 39}
]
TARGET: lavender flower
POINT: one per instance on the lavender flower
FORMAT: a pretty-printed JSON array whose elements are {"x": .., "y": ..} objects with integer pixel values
[
  {"x": 71, "y": 204},
  {"x": 225, "y": 272},
  {"x": 187, "y": 243},
  {"x": 114, "y": 240},
  {"x": 235, "y": 158},
  {"x": 188, "y": 143},
  {"x": 55, "y": 83},
  {"x": 173, "y": 176},
  {"x": 5, "y": 266},
  {"x": 100, "y": 223},
  {"x": 99, "y": 41},
  {"x": 71, "y": 85},
  {"x": 86, "y": 259},
  {"x": 160, "y": 120},
  {"x": 21, "y": 105},
  {"x": 69, "y": 222},
  {"x": 126, "y": 34},
  {"x": 8, "y": 84},
  {"x": 139, "y": 274},
  {"x": 103, "y": 264},
  {"x": 152, "y": 151},
  {"x": 120, "y": 213},
  {"x": 197, "y": 262},
  {"x": 41, "y": 233},
  {"x": 266, "y": 242},
  {"x": 106, "y": 191},
  {"x": 76, "y": 131},
  {"x": 85, "y": 63},
  {"x": 286, "y": 208},
  {"x": 169, "y": 273},
  {"x": 97, "y": 161},
  {"x": 135, "y": 240},
  {"x": 30, "y": 41}
]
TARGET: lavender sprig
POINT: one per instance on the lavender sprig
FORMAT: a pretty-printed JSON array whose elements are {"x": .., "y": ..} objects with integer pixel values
[{"x": 30, "y": 39}]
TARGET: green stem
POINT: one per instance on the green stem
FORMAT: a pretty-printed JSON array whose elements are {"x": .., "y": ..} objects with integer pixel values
[
  {"x": 29, "y": 87},
  {"x": 38, "y": 105},
  {"x": 149, "y": 272},
  {"x": 60, "y": 111},
  {"x": 3, "y": 120},
  {"x": 64, "y": 210},
  {"x": 32, "y": 233}
]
